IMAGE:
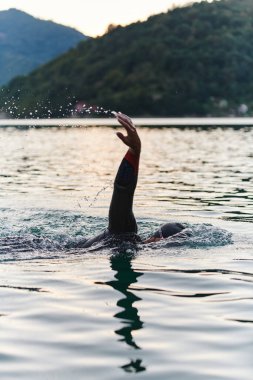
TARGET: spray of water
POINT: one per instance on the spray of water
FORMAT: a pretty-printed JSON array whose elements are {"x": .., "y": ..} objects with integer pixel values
[
  {"x": 82, "y": 109},
  {"x": 71, "y": 107}
]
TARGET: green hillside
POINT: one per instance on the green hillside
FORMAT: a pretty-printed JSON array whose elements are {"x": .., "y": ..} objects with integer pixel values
[
  {"x": 191, "y": 61},
  {"x": 27, "y": 42}
]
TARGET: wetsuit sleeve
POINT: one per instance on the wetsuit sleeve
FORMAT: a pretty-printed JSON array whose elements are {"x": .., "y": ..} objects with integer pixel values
[
  {"x": 121, "y": 217},
  {"x": 88, "y": 243}
]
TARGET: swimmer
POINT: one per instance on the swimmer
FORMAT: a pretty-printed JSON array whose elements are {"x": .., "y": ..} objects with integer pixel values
[{"x": 122, "y": 223}]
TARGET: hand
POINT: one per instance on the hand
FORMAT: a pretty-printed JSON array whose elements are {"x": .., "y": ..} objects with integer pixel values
[{"x": 132, "y": 139}]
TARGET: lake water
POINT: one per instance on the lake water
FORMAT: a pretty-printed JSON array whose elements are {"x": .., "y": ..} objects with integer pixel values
[{"x": 147, "y": 312}]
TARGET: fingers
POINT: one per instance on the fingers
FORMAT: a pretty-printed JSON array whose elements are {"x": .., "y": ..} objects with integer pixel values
[
  {"x": 121, "y": 136},
  {"x": 132, "y": 139},
  {"x": 125, "y": 117},
  {"x": 126, "y": 122}
]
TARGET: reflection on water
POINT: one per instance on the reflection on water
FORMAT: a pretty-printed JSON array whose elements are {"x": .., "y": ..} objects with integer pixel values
[
  {"x": 194, "y": 317},
  {"x": 125, "y": 276},
  {"x": 129, "y": 317},
  {"x": 134, "y": 366}
]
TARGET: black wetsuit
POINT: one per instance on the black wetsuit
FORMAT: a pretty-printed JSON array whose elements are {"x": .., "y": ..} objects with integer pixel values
[
  {"x": 122, "y": 223},
  {"x": 121, "y": 217}
]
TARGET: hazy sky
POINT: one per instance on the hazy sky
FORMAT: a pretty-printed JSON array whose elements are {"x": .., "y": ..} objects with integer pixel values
[{"x": 92, "y": 16}]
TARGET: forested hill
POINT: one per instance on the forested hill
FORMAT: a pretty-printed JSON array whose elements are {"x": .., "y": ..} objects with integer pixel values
[
  {"x": 191, "y": 61},
  {"x": 27, "y": 42}
]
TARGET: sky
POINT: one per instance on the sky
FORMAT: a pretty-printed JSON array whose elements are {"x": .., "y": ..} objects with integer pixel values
[{"x": 92, "y": 17}]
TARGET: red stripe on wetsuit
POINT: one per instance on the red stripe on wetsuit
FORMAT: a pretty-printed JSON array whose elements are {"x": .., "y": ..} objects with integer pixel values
[{"x": 133, "y": 160}]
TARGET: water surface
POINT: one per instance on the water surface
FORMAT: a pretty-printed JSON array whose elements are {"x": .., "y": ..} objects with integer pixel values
[{"x": 147, "y": 311}]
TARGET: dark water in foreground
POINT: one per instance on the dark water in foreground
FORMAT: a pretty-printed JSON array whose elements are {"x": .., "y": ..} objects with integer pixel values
[{"x": 147, "y": 311}]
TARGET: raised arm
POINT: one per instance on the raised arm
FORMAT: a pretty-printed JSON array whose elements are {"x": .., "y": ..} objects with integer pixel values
[{"x": 121, "y": 217}]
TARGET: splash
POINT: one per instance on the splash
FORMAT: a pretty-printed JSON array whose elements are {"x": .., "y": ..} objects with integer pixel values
[
  {"x": 25, "y": 234},
  {"x": 71, "y": 107},
  {"x": 202, "y": 235},
  {"x": 82, "y": 109}
]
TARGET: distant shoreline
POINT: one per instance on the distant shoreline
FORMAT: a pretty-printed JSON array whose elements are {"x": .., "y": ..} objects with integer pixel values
[{"x": 154, "y": 122}]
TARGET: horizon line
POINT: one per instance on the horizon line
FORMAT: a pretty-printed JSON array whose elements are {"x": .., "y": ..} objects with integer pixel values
[{"x": 139, "y": 121}]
